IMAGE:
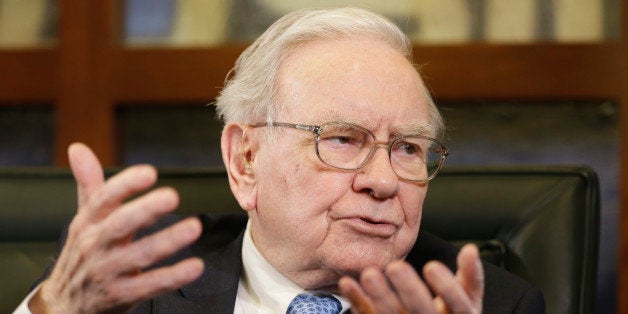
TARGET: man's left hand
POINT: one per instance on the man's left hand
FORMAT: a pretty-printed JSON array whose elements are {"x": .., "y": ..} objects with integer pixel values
[{"x": 399, "y": 289}]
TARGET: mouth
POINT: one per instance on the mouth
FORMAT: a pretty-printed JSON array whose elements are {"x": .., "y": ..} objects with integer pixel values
[{"x": 371, "y": 227}]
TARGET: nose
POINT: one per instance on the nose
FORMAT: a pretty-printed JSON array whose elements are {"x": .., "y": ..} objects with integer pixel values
[{"x": 377, "y": 177}]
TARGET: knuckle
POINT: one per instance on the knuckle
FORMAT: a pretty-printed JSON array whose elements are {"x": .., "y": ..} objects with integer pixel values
[
  {"x": 144, "y": 253},
  {"x": 100, "y": 198},
  {"x": 449, "y": 288},
  {"x": 75, "y": 226},
  {"x": 117, "y": 226},
  {"x": 112, "y": 300},
  {"x": 111, "y": 295},
  {"x": 86, "y": 245}
]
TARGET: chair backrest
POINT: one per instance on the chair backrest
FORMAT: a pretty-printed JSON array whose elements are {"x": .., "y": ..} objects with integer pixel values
[
  {"x": 538, "y": 222},
  {"x": 541, "y": 223}
]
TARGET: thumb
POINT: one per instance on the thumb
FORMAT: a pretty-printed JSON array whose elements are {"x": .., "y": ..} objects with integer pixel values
[
  {"x": 87, "y": 171},
  {"x": 471, "y": 273}
]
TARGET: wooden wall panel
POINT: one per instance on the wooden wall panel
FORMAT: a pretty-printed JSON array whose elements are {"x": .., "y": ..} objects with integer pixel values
[
  {"x": 88, "y": 46},
  {"x": 28, "y": 75},
  {"x": 89, "y": 72},
  {"x": 540, "y": 71}
]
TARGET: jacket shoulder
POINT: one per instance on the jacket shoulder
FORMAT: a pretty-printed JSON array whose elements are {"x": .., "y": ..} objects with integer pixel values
[{"x": 504, "y": 292}]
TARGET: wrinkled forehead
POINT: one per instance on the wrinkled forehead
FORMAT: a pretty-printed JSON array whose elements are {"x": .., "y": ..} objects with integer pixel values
[{"x": 358, "y": 81}]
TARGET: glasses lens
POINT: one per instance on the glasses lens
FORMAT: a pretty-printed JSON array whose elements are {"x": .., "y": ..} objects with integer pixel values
[
  {"x": 343, "y": 145},
  {"x": 347, "y": 146},
  {"x": 415, "y": 158}
]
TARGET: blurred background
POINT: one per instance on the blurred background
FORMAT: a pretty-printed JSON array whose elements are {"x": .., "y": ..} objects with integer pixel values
[{"x": 518, "y": 82}]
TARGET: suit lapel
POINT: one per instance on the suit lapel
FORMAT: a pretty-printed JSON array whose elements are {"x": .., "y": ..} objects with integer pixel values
[{"x": 220, "y": 248}]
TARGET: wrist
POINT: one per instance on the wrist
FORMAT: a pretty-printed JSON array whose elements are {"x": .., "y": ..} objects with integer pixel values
[
  {"x": 37, "y": 305},
  {"x": 42, "y": 301}
]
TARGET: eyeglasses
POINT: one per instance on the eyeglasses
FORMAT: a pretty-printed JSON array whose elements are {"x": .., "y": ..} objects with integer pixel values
[{"x": 347, "y": 146}]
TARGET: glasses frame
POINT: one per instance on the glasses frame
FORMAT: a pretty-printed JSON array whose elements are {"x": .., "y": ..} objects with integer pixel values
[{"x": 318, "y": 129}]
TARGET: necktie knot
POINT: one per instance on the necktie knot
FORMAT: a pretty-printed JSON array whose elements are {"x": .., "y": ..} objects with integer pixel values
[{"x": 310, "y": 302}]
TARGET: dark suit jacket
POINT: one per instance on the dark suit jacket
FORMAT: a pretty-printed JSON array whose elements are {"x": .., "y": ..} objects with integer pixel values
[{"x": 220, "y": 248}]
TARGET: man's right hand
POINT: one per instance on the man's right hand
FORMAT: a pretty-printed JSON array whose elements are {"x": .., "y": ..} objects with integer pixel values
[{"x": 99, "y": 268}]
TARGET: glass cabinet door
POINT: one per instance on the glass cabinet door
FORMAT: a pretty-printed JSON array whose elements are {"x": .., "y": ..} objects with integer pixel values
[
  {"x": 214, "y": 22},
  {"x": 27, "y": 23}
]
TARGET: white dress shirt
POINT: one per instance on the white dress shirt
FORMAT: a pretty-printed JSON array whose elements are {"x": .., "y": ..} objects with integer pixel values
[{"x": 262, "y": 288}]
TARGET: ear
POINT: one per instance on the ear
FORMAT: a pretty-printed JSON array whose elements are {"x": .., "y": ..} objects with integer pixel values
[{"x": 238, "y": 151}]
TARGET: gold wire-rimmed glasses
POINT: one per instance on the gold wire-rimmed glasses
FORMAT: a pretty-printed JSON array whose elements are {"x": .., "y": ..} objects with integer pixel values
[{"x": 347, "y": 146}]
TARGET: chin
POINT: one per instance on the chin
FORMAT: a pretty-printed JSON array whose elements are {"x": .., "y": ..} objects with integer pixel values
[{"x": 353, "y": 262}]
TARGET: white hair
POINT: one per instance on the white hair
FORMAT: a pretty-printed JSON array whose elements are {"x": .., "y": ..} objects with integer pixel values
[{"x": 250, "y": 91}]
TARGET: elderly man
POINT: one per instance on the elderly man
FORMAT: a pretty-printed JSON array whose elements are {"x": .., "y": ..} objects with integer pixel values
[{"x": 329, "y": 146}]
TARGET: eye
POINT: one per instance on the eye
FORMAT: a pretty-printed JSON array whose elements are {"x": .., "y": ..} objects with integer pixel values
[
  {"x": 408, "y": 148},
  {"x": 342, "y": 136},
  {"x": 340, "y": 140}
]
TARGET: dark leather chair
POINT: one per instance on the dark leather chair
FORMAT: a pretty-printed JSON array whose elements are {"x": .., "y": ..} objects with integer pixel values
[{"x": 538, "y": 222}]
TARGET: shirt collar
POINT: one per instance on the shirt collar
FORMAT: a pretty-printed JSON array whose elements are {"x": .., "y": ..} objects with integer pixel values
[{"x": 265, "y": 284}]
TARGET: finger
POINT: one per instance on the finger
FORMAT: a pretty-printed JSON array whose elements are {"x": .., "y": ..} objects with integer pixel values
[
  {"x": 133, "y": 289},
  {"x": 87, "y": 171},
  {"x": 138, "y": 213},
  {"x": 470, "y": 273},
  {"x": 153, "y": 248},
  {"x": 83, "y": 243},
  {"x": 377, "y": 288},
  {"x": 84, "y": 240},
  {"x": 445, "y": 285},
  {"x": 440, "y": 306},
  {"x": 413, "y": 293},
  {"x": 360, "y": 303},
  {"x": 101, "y": 271},
  {"x": 119, "y": 188}
]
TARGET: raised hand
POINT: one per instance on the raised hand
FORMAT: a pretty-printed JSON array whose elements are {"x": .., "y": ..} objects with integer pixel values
[
  {"x": 399, "y": 289},
  {"x": 99, "y": 268}
]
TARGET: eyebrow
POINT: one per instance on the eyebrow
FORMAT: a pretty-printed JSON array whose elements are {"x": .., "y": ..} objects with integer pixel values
[{"x": 423, "y": 128}]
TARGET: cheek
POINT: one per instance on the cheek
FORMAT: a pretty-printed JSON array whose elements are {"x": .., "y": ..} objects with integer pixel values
[
  {"x": 299, "y": 185},
  {"x": 412, "y": 198},
  {"x": 412, "y": 204},
  {"x": 295, "y": 207}
]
